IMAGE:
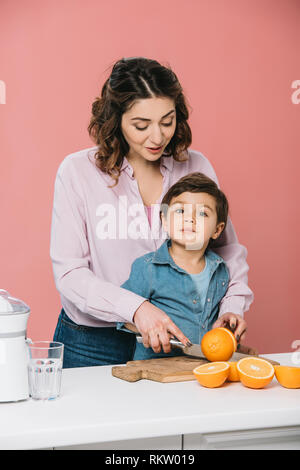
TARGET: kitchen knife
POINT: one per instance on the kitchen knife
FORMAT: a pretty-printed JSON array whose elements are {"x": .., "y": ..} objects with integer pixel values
[{"x": 195, "y": 351}]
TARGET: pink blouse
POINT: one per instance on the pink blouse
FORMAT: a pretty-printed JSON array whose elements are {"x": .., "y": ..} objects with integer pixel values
[
  {"x": 97, "y": 232},
  {"x": 149, "y": 213}
]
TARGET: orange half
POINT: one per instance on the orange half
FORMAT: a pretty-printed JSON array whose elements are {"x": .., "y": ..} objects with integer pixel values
[
  {"x": 288, "y": 376},
  {"x": 212, "y": 375},
  {"x": 255, "y": 372},
  {"x": 233, "y": 372}
]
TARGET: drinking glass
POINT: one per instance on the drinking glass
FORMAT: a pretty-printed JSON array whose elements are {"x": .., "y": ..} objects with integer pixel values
[{"x": 45, "y": 369}]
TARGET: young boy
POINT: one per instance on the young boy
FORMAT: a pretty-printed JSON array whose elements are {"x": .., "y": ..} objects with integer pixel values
[{"x": 184, "y": 277}]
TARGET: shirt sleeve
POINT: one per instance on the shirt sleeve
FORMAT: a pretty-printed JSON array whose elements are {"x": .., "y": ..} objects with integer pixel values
[
  {"x": 239, "y": 296},
  {"x": 70, "y": 255}
]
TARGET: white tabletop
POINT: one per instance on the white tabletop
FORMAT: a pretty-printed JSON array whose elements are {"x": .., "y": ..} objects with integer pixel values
[{"x": 97, "y": 407}]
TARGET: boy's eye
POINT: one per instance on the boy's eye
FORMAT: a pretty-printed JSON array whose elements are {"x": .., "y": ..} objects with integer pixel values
[
  {"x": 144, "y": 128},
  {"x": 201, "y": 213}
]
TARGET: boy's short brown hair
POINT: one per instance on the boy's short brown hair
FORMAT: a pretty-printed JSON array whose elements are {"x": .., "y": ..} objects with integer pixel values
[{"x": 198, "y": 183}]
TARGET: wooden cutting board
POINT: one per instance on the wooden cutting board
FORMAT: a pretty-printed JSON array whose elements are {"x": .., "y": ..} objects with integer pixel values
[{"x": 166, "y": 369}]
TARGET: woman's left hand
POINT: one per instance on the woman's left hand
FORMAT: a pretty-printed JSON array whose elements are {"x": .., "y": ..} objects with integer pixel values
[{"x": 233, "y": 322}]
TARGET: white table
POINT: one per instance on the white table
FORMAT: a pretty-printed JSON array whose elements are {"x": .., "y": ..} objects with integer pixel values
[{"x": 99, "y": 411}]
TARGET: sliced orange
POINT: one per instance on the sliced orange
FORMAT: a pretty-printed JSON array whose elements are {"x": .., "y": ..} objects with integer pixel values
[
  {"x": 255, "y": 372},
  {"x": 218, "y": 344},
  {"x": 288, "y": 376},
  {"x": 233, "y": 372},
  {"x": 213, "y": 374}
]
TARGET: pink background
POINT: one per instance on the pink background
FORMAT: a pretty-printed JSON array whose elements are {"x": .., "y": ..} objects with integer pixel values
[{"x": 236, "y": 60}]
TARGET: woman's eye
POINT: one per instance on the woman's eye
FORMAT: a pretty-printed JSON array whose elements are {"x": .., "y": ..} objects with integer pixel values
[{"x": 144, "y": 128}]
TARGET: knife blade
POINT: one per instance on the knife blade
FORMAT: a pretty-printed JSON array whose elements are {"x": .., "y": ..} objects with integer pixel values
[{"x": 195, "y": 351}]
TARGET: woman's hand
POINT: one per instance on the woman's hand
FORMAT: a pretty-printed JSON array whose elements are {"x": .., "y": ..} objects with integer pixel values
[
  {"x": 156, "y": 328},
  {"x": 233, "y": 322},
  {"x": 238, "y": 326}
]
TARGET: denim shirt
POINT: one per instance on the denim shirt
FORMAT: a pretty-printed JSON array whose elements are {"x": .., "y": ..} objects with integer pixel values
[{"x": 158, "y": 278}]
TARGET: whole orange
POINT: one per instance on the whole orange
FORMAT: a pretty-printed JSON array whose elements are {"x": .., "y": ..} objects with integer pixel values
[{"x": 218, "y": 344}]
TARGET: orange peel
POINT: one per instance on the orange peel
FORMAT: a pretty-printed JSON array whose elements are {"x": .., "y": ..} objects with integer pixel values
[
  {"x": 288, "y": 376},
  {"x": 218, "y": 344}
]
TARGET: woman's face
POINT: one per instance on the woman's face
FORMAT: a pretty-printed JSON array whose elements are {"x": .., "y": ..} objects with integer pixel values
[{"x": 149, "y": 124}]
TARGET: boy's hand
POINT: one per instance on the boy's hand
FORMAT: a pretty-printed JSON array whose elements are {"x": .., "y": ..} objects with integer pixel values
[{"x": 233, "y": 322}]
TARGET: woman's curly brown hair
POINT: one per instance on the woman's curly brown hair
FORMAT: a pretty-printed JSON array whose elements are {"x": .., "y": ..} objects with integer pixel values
[{"x": 132, "y": 79}]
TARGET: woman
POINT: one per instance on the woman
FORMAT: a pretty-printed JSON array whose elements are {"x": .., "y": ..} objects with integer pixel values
[{"x": 102, "y": 198}]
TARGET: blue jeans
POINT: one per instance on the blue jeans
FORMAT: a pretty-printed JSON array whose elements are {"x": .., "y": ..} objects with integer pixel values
[{"x": 86, "y": 346}]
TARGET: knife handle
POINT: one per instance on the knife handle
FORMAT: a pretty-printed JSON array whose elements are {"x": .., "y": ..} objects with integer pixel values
[{"x": 174, "y": 342}]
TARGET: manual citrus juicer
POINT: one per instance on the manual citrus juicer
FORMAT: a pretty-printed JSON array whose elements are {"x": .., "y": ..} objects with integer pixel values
[{"x": 14, "y": 355}]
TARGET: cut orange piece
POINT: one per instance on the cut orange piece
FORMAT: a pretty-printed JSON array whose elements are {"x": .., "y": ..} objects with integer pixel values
[
  {"x": 233, "y": 372},
  {"x": 288, "y": 376},
  {"x": 218, "y": 344},
  {"x": 212, "y": 375},
  {"x": 255, "y": 372}
]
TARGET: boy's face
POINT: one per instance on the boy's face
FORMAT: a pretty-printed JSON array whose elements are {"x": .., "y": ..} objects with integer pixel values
[{"x": 192, "y": 220}]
